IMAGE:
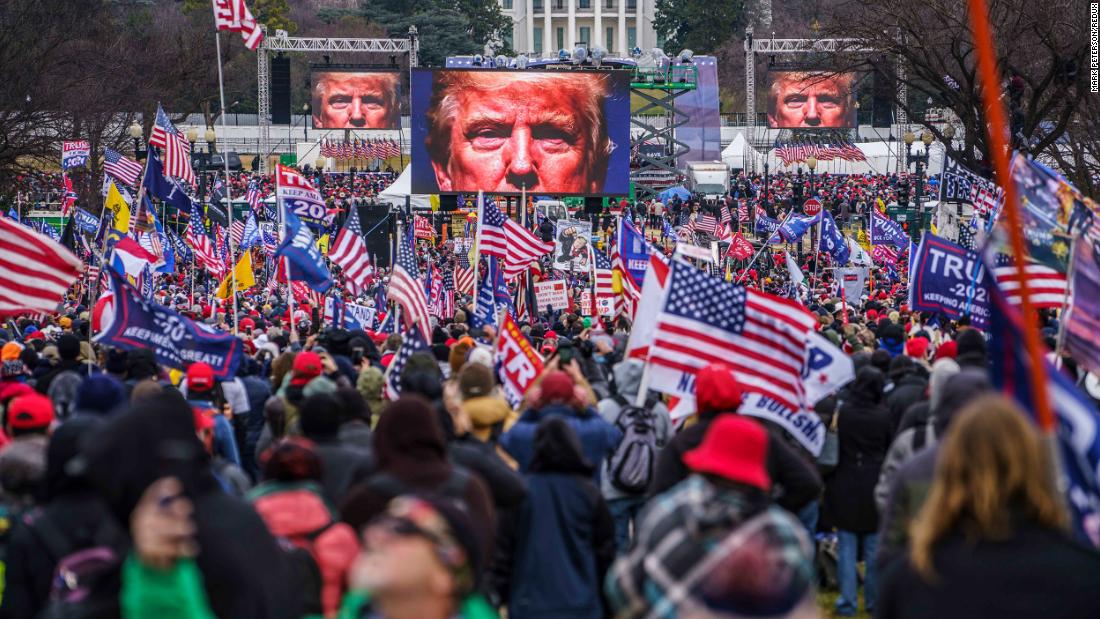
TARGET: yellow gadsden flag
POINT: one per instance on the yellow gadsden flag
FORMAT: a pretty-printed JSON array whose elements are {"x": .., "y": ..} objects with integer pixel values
[
  {"x": 117, "y": 205},
  {"x": 245, "y": 279}
]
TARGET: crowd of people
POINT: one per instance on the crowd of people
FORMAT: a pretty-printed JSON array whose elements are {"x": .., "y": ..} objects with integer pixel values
[{"x": 315, "y": 482}]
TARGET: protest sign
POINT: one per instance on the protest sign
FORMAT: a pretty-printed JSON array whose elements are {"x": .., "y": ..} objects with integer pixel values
[
  {"x": 516, "y": 361},
  {"x": 804, "y": 425},
  {"x": 75, "y": 154},
  {"x": 551, "y": 293},
  {"x": 571, "y": 241},
  {"x": 827, "y": 369},
  {"x": 950, "y": 279}
]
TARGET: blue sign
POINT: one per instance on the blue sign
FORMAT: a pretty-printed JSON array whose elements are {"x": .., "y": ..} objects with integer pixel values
[
  {"x": 176, "y": 341},
  {"x": 634, "y": 251},
  {"x": 950, "y": 279},
  {"x": 86, "y": 221}
]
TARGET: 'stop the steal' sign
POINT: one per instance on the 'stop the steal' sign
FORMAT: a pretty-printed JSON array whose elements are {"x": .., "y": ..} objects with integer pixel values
[
  {"x": 75, "y": 154},
  {"x": 950, "y": 279}
]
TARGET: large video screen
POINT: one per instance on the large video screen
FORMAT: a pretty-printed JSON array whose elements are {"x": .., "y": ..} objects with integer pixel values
[
  {"x": 812, "y": 99},
  {"x": 351, "y": 99},
  {"x": 500, "y": 131}
]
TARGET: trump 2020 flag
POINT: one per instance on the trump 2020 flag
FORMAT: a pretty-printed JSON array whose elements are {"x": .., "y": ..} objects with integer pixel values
[
  {"x": 306, "y": 262},
  {"x": 833, "y": 241},
  {"x": 887, "y": 231}
]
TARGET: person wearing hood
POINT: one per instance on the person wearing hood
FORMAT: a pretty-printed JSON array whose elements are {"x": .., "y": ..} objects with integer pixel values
[
  {"x": 715, "y": 544},
  {"x": 971, "y": 350},
  {"x": 864, "y": 432},
  {"x": 242, "y": 570},
  {"x": 342, "y": 466},
  {"x": 72, "y": 517},
  {"x": 906, "y": 387},
  {"x": 625, "y": 506},
  {"x": 557, "y": 396},
  {"x": 902, "y": 496},
  {"x": 554, "y": 553},
  {"x": 718, "y": 394},
  {"x": 411, "y": 457},
  {"x": 99, "y": 395}
]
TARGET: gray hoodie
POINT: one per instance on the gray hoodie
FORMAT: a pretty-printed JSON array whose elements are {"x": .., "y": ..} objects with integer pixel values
[{"x": 628, "y": 378}]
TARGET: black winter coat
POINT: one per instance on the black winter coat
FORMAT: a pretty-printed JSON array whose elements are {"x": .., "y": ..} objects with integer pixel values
[
  {"x": 864, "y": 432},
  {"x": 909, "y": 390}
]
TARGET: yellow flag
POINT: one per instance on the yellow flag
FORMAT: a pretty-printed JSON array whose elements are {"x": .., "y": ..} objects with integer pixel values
[
  {"x": 117, "y": 204},
  {"x": 322, "y": 244},
  {"x": 245, "y": 279},
  {"x": 933, "y": 228}
]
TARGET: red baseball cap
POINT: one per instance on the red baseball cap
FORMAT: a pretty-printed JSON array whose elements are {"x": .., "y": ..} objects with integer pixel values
[
  {"x": 200, "y": 377},
  {"x": 917, "y": 347},
  {"x": 307, "y": 366},
  {"x": 734, "y": 448},
  {"x": 30, "y": 411}
]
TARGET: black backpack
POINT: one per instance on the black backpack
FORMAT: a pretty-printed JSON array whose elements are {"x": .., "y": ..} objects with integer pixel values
[
  {"x": 86, "y": 577},
  {"x": 632, "y": 463}
]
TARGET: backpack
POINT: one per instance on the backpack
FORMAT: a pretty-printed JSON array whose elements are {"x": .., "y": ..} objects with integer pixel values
[
  {"x": 632, "y": 462},
  {"x": 304, "y": 573},
  {"x": 79, "y": 588}
]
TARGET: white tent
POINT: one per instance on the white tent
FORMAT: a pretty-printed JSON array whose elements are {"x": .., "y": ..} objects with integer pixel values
[
  {"x": 401, "y": 188},
  {"x": 739, "y": 154}
]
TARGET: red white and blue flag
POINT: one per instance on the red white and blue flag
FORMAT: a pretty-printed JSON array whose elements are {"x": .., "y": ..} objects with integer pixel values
[
  {"x": 234, "y": 16},
  {"x": 122, "y": 168},
  {"x": 517, "y": 246},
  {"x": 177, "y": 151}
]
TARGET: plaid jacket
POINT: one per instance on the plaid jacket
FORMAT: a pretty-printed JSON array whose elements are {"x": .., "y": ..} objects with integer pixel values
[{"x": 701, "y": 545}]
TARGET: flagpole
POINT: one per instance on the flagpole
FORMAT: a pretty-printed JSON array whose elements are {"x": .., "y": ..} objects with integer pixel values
[
  {"x": 477, "y": 246},
  {"x": 228, "y": 184},
  {"x": 996, "y": 129}
]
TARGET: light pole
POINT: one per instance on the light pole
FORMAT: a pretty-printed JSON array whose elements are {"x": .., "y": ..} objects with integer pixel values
[
  {"x": 136, "y": 133},
  {"x": 811, "y": 162},
  {"x": 920, "y": 161},
  {"x": 305, "y": 122}
]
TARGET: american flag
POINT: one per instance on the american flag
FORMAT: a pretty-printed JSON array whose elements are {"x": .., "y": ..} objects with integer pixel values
[
  {"x": 271, "y": 243},
  {"x": 405, "y": 287},
  {"x": 177, "y": 151},
  {"x": 202, "y": 248},
  {"x": 448, "y": 301},
  {"x": 35, "y": 271},
  {"x": 604, "y": 282},
  {"x": 236, "y": 232},
  {"x": 506, "y": 239},
  {"x": 464, "y": 274},
  {"x": 411, "y": 342},
  {"x": 349, "y": 252},
  {"x": 234, "y": 16},
  {"x": 252, "y": 196},
  {"x": 117, "y": 165},
  {"x": 1047, "y": 286},
  {"x": 762, "y": 337},
  {"x": 724, "y": 217}
]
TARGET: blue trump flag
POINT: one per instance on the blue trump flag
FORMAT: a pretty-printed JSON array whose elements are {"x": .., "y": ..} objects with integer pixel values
[
  {"x": 306, "y": 262},
  {"x": 86, "y": 221},
  {"x": 833, "y": 241},
  {"x": 1077, "y": 422},
  {"x": 492, "y": 295},
  {"x": 885, "y": 231},
  {"x": 766, "y": 225},
  {"x": 634, "y": 250},
  {"x": 950, "y": 279},
  {"x": 794, "y": 227},
  {"x": 163, "y": 188},
  {"x": 176, "y": 341}
]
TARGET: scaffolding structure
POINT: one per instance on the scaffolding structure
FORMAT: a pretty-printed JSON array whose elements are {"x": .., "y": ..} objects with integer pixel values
[
  {"x": 283, "y": 42},
  {"x": 659, "y": 87}
]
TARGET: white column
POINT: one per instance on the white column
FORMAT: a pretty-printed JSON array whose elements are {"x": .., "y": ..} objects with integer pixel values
[
  {"x": 623, "y": 51},
  {"x": 571, "y": 28},
  {"x": 529, "y": 44},
  {"x": 638, "y": 30},
  {"x": 597, "y": 27},
  {"x": 547, "y": 31}
]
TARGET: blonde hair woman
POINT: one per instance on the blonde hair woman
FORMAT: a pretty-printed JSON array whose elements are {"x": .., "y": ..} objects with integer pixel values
[{"x": 992, "y": 539}]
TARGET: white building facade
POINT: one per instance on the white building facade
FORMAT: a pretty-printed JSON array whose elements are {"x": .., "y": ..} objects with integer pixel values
[{"x": 542, "y": 27}]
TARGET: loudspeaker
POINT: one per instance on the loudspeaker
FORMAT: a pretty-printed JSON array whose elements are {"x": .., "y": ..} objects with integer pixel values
[
  {"x": 280, "y": 91},
  {"x": 882, "y": 98},
  {"x": 448, "y": 202},
  {"x": 376, "y": 229},
  {"x": 593, "y": 206}
]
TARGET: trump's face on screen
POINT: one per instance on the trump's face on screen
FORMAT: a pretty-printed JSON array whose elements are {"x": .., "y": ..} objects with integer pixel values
[
  {"x": 356, "y": 101},
  {"x": 799, "y": 99},
  {"x": 507, "y": 131}
]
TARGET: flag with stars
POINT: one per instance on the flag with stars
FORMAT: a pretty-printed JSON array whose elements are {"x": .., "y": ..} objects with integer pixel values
[
  {"x": 517, "y": 246},
  {"x": 704, "y": 320},
  {"x": 411, "y": 342},
  {"x": 405, "y": 287}
]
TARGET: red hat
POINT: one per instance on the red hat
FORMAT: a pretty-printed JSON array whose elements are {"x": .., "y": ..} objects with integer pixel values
[
  {"x": 717, "y": 388},
  {"x": 917, "y": 347},
  {"x": 872, "y": 314},
  {"x": 947, "y": 350},
  {"x": 557, "y": 386},
  {"x": 307, "y": 366},
  {"x": 30, "y": 412},
  {"x": 247, "y": 323},
  {"x": 200, "y": 377},
  {"x": 734, "y": 448}
]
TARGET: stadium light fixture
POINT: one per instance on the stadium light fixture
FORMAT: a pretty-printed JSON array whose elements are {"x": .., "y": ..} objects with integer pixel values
[
  {"x": 685, "y": 56},
  {"x": 521, "y": 61},
  {"x": 210, "y": 136},
  {"x": 580, "y": 54},
  {"x": 811, "y": 162},
  {"x": 909, "y": 138}
]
